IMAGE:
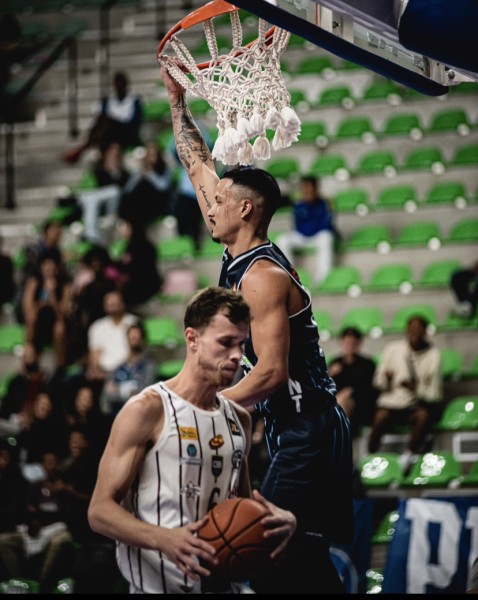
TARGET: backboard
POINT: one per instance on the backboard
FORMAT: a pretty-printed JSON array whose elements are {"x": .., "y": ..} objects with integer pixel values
[{"x": 441, "y": 50}]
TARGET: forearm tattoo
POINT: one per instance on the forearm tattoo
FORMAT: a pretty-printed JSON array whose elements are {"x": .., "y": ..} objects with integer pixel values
[
  {"x": 189, "y": 141},
  {"x": 204, "y": 195}
]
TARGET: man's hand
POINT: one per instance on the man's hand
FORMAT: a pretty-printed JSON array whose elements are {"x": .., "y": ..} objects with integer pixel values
[
  {"x": 172, "y": 86},
  {"x": 281, "y": 523}
]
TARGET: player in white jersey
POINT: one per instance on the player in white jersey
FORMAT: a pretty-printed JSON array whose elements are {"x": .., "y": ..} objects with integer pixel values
[{"x": 176, "y": 449}]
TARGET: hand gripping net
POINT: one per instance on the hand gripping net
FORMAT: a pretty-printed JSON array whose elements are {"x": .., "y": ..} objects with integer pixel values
[{"x": 246, "y": 89}]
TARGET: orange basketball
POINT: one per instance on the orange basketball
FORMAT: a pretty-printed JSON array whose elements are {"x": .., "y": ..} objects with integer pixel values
[{"x": 235, "y": 530}]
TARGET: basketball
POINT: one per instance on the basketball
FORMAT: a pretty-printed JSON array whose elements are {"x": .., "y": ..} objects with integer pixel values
[{"x": 235, "y": 530}]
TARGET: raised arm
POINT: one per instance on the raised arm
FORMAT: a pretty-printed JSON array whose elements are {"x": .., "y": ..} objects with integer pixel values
[{"x": 192, "y": 150}]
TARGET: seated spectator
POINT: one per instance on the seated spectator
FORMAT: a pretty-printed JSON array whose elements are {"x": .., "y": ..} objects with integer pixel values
[
  {"x": 41, "y": 547},
  {"x": 313, "y": 227},
  {"x": 111, "y": 176},
  {"x": 7, "y": 277},
  {"x": 140, "y": 278},
  {"x": 49, "y": 240},
  {"x": 464, "y": 287},
  {"x": 13, "y": 486},
  {"x": 410, "y": 381},
  {"x": 118, "y": 118},
  {"x": 353, "y": 374},
  {"x": 133, "y": 375},
  {"x": 148, "y": 194},
  {"x": 108, "y": 340},
  {"x": 47, "y": 307}
]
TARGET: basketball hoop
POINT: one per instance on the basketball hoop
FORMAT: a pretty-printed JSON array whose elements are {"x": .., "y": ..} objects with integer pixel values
[{"x": 245, "y": 86}]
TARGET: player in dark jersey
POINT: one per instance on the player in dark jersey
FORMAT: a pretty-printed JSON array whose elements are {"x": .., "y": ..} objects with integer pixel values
[{"x": 308, "y": 434}]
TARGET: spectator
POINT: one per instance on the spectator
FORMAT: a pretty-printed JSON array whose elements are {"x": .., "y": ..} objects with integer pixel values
[
  {"x": 47, "y": 306},
  {"x": 136, "y": 373},
  {"x": 411, "y": 388},
  {"x": 49, "y": 239},
  {"x": 313, "y": 228},
  {"x": 118, "y": 118},
  {"x": 13, "y": 486},
  {"x": 107, "y": 339},
  {"x": 7, "y": 277},
  {"x": 41, "y": 548},
  {"x": 111, "y": 176},
  {"x": 353, "y": 373},
  {"x": 464, "y": 286},
  {"x": 147, "y": 195},
  {"x": 140, "y": 278}
]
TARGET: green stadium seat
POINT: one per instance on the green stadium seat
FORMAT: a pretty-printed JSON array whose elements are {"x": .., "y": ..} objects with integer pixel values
[
  {"x": 405, "y": 124},
  {"x": 453, "y": 322},
  {"x": 223, "y": 45},
  {"x": 330, "y": 165},
  {"x": 370, "y": 237},
  {"x": 20, "y": 585},
  {"x": 383, "y": 90},
  {"x": 374, "y": 580},
  {"x": 339, "y": 95},
  {"x": 447, "y": 193},
  {"x": 319, "y": 65},
  {"x": 355, "y": 128},
  {"x": 420, "y": 233},
  {"x": 283, "y": 168},
  {"x": 380, "y": 470},
  {"x": 180, "y": 247},
  {"x": 210, "y": 248},
  {"x": 465, "y": 156},
  {"x": 5, "y": 382},
  {"x": 451, "y": 363},
  {"x": 460, "y": 413},
  {"x": 464, "y": 231},
  {"x": 465, "y": 88},
  {"x": 12, "y": 336},
  {"x": 434, "y": 469},
  {"x": 367, "y": 319},
  {"x": 429, "y": 158},
  {"x": 163, "y": 332},
  {"x": 377, "y": 162},
  {"x": 64, "y": 586},
  {"x": 342, "y": 279},
  {"x": 298, "y": 100},
  {"x": 199, "y": 106},
  {"x": 397, "y": 197},
  {"x": 305, "y": 277},
  {"x": 314, "y": 132},
  {"x": 323, "y": 318},
  {"x": 169, "y": 368},
  {"x": 352, "y": 200},
  {"x": 155, "y": 110},
  {"x": 450, "y": 119},
  {"x": 438, "y": 273},
  {"x": 386, "y": 528},
  {"x": 471, "y": 478},
  {"x": 391, "y": 277},
  {"x": 402, "y": 315},
  {"x": 472, "y": 371}
]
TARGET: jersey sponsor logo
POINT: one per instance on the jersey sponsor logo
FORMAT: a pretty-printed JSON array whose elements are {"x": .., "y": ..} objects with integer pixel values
[
  {"x": 184, "y": 460},
  {"x": 188, "y": 433},
  {"x": 236, "y": 459},
  {"x": 191, "y": 450},
  {"x": 216, "y": 442},
  {"x": 190, "y": 490},
  {"x": 217, "y": 464},
  {"x": 234, "y": 427}
]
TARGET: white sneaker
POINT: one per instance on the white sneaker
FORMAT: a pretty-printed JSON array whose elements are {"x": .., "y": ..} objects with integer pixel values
[{"x": 463, "y": 310}]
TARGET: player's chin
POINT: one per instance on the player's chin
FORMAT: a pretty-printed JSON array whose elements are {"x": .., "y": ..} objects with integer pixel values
[{"x": 227, "y": 376}]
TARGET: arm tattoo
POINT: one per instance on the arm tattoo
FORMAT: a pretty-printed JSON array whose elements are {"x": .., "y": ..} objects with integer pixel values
[
  {"x": 189, "y": 141},
  {"x": 204, "y": 195}
]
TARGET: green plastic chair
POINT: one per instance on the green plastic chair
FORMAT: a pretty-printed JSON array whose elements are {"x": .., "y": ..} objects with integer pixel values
[
  {"x": 377, "y": 162},
  {"x": 283, "y": 168},
  {"x": 451, "y": 363},
  {"x": 367, "y": 319},
  {"x": 420, "y": 233},
  {"x": 465, "y": 230},
  {"x": 447, "y": 193},
  {"x": 352, "y": 200},
  {"x": 403, "y": 314},
  {"x": 374, "y": 581},
  {"x": 380, "y": 470},
  {"x": 163, "y": 332},
  {"x": 465, "y": 156},
  {"x": 20, "y": 585},
  {"x": 355, "y": 128},
  {"x": 314, "y": 132},
  {"x": 404, "y": 124},
  {"x": 386, "y": 528},
  {"x": 472, "y": 370},
  {"x": 223, "y": 44},
  {"x": 12, "y": 335},
  {"x": 339, "y": 95},
  {"x": 315, "y": 64},
  {"x": 330, "y": 165},
  {"x": 465, "y": 88},
  {"x": 210, "y": 249},
  {"x": 169, "y": 368},
  {"x": 157, "y": 109},
  {"x": 460, "y": 413},
  {"x": 450, "y": 119},
  {"x": 438, "y": 273},
  {"x": 471, "y": 478},
  {"x": 429, "y": 158},
  {"x": 434, "y": 469},
  {"x": 323, "y": 318},
  {"x": 342, "y": 279},
  {"x": 370, "y": 237},
  {"x": 397, "y": 197},
  {"x": 180, "y": 247},
  {"x": 383, "y": 90},
  {"x": 391, "y": 277},
  {"x": 453, "y": 322},
  {"x": 298, "y": 100}
]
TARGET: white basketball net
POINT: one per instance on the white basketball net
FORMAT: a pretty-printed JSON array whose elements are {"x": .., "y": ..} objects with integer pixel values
[{"x": 246, "y": 89}]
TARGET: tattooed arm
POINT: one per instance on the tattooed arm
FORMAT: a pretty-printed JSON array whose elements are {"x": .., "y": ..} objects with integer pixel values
[{"x": 192, "y": 150}]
